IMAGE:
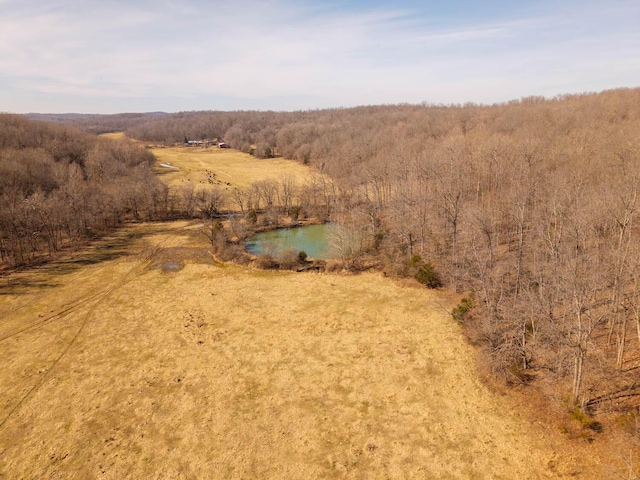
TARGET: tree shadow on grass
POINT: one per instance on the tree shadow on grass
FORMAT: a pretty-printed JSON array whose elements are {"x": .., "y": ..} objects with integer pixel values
[{"x": 49, "y": 274}]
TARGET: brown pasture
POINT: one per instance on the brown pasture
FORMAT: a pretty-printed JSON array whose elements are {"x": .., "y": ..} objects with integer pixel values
[
  {"x": 227, "y": 168},
  {"x": 141, "y": 358}
]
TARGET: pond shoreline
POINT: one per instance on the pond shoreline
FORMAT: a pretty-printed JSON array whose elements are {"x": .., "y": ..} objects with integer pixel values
[
  {"x": 310, "y": 238},
  {"x": 282, "y": 226}
]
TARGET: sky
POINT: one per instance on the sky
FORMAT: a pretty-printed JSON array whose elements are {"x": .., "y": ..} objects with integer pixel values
[{"x": 111, "y": 56}]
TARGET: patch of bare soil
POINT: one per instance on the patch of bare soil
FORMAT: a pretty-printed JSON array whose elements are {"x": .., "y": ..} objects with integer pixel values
[{"x": 122, "y": 369}]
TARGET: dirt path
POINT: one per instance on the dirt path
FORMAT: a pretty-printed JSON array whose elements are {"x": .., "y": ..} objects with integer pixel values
[{"x": 215, "y": 372}]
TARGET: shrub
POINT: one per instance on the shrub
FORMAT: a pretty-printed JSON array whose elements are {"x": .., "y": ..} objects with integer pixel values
[
  {"x": 266, "y": 262},
  {"x": 252, "y": 216},
  {"x": 462, "y": 309},
  {"x": 428, "y": 277},
  {"x": 289, "y": 259},
  {"x": 584, "y": 419},
  {"x": 232, "y": 252},
  {"x": 333, "y": 266}
]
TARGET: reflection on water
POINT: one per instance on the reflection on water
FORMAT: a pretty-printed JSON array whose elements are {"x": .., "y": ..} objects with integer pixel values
[{"x": 313, "y": 239}]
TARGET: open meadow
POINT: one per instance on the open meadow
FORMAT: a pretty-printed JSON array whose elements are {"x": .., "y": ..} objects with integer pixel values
[
  {"x": 141, "y": 358},
  {"x": 227, "y": 168}
]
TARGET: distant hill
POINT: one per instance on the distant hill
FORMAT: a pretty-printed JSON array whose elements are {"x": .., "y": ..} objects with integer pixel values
[{"x": 97, "y": 123}]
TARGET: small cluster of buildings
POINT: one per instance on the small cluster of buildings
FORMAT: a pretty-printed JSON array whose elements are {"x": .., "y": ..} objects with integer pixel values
[{"x": 205, "y": 143}]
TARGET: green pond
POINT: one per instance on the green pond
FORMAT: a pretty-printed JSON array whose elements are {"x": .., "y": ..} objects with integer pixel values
[{"x": 313, "y": 239}]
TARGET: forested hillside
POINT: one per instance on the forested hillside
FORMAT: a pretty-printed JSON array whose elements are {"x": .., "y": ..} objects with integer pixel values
[
  {"x": 60, "y": 187},
  {"x": 96, "y": 123},
  {"x": 529, "y": 207}
]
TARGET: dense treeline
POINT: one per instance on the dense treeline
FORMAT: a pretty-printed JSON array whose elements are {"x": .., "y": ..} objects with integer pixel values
[
  {"x": 530, "y": 206},
  {"x": 60, "y": 186},
  {"x": 251, "y": 132}
]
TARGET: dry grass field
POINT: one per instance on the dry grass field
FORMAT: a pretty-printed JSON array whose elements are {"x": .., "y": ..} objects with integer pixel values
[
  {"x": 114, "y": 135},
  {"x": 141, "y": 358},
  {"x": 227, "y": 167},
  {"x": 232, "y": 168}
]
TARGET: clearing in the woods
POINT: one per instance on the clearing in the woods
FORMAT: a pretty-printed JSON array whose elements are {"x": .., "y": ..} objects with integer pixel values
[{"x": 224, "y": 167}]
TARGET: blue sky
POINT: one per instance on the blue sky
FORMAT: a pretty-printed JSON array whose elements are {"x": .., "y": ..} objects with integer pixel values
[{"x": 109, "y": 56}]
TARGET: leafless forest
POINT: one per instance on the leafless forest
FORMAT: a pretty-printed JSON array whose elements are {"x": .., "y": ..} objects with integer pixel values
[
  {"x": 60, "y": 187},
  {"x": 527, "y": 208}
]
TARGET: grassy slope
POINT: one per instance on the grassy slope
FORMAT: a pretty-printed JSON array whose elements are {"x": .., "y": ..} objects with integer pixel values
[
  {"x": 133, "y": 371},
  {"x": 114, "y": 135},
  {"x": 196, "y": 164},
  {"x": 230, "y": 166}
]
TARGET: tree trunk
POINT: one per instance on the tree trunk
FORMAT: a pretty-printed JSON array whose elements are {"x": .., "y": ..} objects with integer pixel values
[
  {"x": 577, "y": 371},
  {"x": 621, "y": 339}
]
